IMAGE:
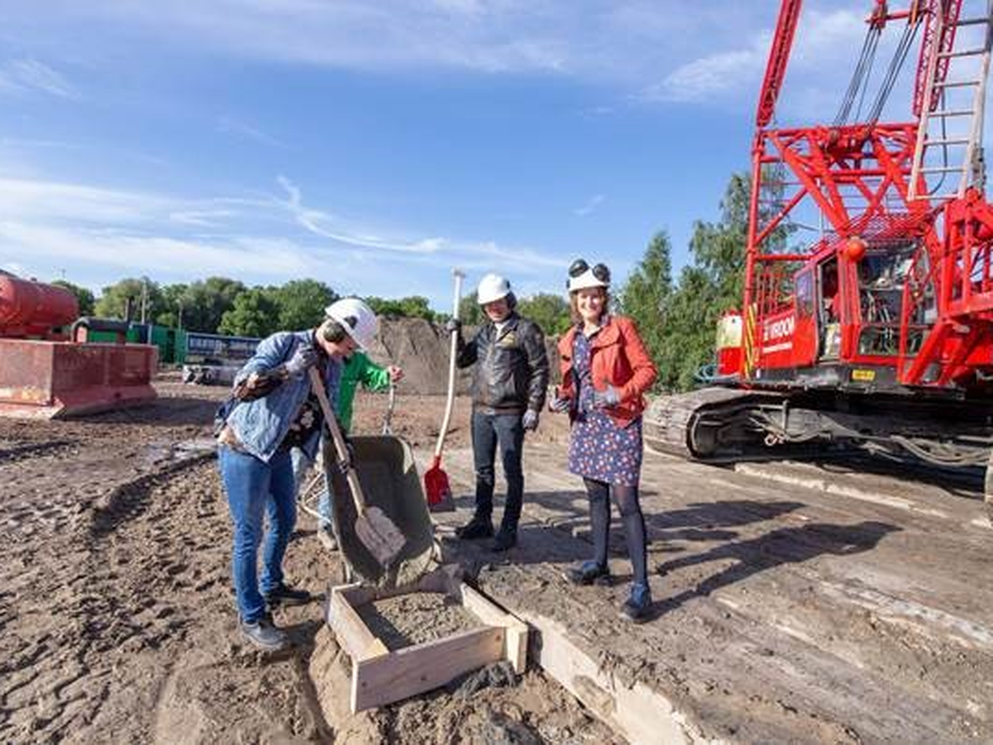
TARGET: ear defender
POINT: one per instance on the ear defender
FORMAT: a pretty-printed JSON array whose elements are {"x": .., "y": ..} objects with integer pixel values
[{"x": 334, "y": 332}]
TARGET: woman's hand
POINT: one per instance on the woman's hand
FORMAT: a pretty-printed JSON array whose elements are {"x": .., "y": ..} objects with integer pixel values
[{"x": 606, "y": 398}]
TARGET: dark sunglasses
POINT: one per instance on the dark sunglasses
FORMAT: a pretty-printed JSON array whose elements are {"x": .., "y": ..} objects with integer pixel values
[{"x": 600, "y": 271}]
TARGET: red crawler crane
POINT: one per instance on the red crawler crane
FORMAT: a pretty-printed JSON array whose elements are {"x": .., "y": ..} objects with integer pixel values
[{"x": 874, "y": 325}]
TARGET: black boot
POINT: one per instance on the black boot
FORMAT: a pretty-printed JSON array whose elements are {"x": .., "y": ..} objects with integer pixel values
[
  {"x": 478, "y": 527},
  {"x": 505, "y": 539},
  {"x": 588, "y": 573},
  {"x": 286, "y": 595}
]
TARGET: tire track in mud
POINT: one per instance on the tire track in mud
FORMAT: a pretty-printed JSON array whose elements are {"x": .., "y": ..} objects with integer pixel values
[{"x": 84, "y": 601}]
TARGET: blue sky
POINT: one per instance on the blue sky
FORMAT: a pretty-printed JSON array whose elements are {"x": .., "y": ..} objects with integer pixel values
[{"x": 375, "y": 145}]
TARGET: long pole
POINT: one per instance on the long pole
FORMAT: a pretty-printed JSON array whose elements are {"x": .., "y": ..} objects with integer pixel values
[{"x": 453, "y": 353}]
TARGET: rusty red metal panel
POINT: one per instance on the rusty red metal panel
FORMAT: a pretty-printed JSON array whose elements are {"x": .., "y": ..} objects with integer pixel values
[{"x": 41, "y": 379}]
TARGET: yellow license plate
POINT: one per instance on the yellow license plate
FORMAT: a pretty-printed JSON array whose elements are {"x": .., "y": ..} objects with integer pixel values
[{"x": 864, "y": 376}]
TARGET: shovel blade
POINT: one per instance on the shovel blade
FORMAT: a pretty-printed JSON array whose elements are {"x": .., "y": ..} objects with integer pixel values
[
  {"x": 437, "y": 490},
  {"x": 379, "y": 534}
]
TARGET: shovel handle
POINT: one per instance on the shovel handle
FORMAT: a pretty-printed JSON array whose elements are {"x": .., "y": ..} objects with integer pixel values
[
  {"x": 339, "y": 440},
  {"x": 453, "y": 352}
]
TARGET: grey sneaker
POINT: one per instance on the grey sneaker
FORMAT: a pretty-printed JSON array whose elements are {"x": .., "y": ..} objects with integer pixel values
[{"x": 264, "y": 634}]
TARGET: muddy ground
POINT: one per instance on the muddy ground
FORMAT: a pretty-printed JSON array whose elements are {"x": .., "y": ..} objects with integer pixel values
[
  {"x": 794, "y": 602},
  {"x": 116, "y": 617}
]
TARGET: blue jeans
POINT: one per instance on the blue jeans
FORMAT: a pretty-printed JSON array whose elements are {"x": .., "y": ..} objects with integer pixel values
[
  {"x": 256, "y": 489},
  {"x": 301, "y": 466},
  {"x": 488, "y": 432}
]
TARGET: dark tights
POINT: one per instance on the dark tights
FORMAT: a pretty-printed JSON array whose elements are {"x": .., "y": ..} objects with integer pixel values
[{"x": 634, "y": 523}]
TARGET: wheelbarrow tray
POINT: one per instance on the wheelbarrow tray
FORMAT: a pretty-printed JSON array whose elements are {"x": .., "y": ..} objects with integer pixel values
[{"x": 388, "y": 474}]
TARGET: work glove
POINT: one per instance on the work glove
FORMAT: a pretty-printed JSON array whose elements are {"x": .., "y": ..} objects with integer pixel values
[
  {"x": 530, "y": 420},
  {"x": 303, "y": 358},
  {"x": 606, "y": 398},
  {"x": 453, "y": 324}
]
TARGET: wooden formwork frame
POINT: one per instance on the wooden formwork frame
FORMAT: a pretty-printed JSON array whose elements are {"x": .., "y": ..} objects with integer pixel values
[{"x": 381, "y": 676}]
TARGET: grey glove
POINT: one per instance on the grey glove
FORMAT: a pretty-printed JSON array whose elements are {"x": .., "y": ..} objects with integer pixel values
[
  {"x": 606, "y": 398},
  {"x": 453, "y": 325},
  {"x": 559, "y": 404},
  {"x": 303, "y": 358},
  {"x": 530, "y": 420}
]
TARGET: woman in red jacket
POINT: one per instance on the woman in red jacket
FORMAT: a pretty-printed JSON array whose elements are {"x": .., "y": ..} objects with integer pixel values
[{"x": 605, "y": 372}]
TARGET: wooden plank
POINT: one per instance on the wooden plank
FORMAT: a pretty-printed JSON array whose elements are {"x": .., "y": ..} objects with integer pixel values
[
  {"x": 516, "y": 636},
  {"x": 413, "y": 670},
  {"x": 352, "y": 634},
  {"x": 640, "y": 714}
]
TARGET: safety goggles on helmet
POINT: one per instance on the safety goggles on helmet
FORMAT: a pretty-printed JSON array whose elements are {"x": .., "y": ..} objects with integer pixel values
[{"x": 583, "y": 276}]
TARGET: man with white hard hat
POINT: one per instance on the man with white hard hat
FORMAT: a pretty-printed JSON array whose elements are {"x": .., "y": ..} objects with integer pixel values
[
  {"x": 508, "y": 392},
  {"x": 272, "y": 411}
]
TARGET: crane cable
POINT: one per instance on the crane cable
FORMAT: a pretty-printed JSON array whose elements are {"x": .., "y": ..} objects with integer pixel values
[
  {"x": 859, "y": 83},
  {"x": 860, "y": 77},
  {"x": 893, "y": 72}
]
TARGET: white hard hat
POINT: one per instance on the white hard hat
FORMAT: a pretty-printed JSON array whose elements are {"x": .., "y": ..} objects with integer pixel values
[
  {"x": 492, "y": 287},
  {"x": 356, "y": 318},
  {"x": 582, "y": 276}
]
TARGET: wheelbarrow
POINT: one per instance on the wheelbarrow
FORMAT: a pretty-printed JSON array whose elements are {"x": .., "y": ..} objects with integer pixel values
[{"x": 389, "y": 480}]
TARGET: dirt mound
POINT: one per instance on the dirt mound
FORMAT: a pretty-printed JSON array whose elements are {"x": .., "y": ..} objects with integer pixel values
[{"x": 422, "y": 349}]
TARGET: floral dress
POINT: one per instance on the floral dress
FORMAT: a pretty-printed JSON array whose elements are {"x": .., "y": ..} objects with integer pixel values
[{"x": 599, "y": 449}]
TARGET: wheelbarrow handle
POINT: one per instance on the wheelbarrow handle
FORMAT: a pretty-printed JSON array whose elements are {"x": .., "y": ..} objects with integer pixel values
[{"x": 339, "y": 440}]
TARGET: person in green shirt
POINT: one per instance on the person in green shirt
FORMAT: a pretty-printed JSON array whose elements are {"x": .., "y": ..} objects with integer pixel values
[{"x": 358, "y": 370}]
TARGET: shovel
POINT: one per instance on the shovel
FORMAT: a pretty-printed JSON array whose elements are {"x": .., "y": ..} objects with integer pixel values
[
  {"x": 374, "y": 529},
  {"x": 436, "y": 487}
]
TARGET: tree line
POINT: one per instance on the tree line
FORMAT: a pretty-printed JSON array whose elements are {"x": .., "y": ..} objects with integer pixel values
[
  {"x": 226, "y": 306},
  {"x": 677, "y": 317}
]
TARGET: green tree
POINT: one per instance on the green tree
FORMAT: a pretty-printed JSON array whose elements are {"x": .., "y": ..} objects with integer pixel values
[
  {"x": 113, "y": 300},
  {"x": 301, "y": 303},
  {"x": 719, "y": 248},
  {"x": 254, "y": 313},
  {"x": 470, "y": 313},
  {"x": 551, "y": 312},
  {"x": 203, "y": 303},
  {"x": 172, "y": 296},
  {"x": 645, "y": 294},
  {"x": 414, "y": 306},
  {"x": 84, "y": 297},
  {"x": 711, "y": 285}
]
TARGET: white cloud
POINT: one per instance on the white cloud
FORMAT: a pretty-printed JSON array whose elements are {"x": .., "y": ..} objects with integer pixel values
[
  {"x": 708, "y": 76},
  {"x": 824, "y": 40},
  {"x": 145, "y": 254},
  {"x": 32, "y": 75},
  {"x": 591, "y": 204},
  {"x": 230, "y": 125},
  {"x": 47, "y": 223}
]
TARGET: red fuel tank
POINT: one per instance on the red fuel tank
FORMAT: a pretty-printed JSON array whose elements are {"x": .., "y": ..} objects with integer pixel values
[{"x": 30, "y": 308}]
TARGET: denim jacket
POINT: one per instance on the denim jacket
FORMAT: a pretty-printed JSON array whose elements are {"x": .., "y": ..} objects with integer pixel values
[{"x": 261, "y": 425}]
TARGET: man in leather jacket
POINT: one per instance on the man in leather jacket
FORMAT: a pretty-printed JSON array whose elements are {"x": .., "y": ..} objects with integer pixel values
[{"x": 508, "y": 392}]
